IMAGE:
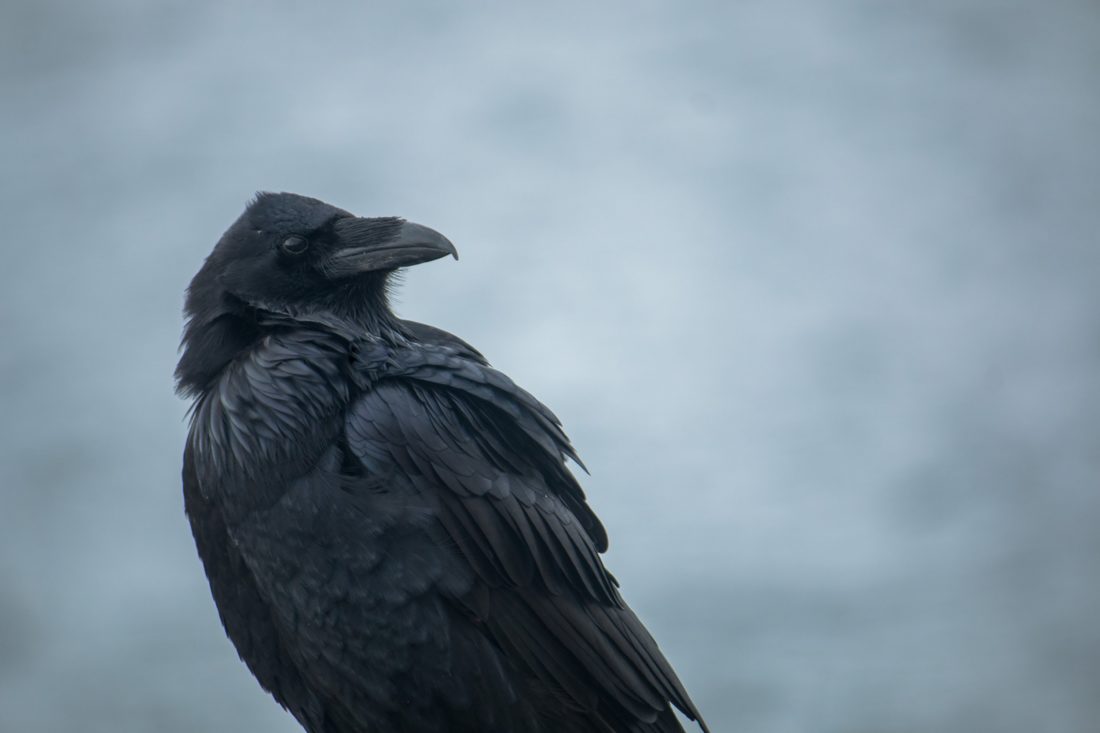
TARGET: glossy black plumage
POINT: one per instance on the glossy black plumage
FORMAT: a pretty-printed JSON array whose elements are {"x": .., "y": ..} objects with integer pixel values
[{"x": 391, "y": 534}]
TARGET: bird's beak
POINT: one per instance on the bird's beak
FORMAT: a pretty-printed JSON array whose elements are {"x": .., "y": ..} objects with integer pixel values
[{"x": 367, "y": 245}]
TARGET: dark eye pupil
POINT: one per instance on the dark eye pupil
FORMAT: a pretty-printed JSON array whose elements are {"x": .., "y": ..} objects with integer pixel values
[{"x": 295, "y": 245}]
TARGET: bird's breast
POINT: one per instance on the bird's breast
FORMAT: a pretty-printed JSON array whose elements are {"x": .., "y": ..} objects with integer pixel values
[{"x": 268, "y": 418}]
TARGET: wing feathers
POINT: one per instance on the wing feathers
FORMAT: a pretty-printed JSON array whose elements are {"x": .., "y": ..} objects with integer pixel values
[{"x": 492, "y": 458}]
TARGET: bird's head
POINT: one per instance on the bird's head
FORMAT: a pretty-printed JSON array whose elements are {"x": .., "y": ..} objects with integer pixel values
[{"x": 293, "y": 254}]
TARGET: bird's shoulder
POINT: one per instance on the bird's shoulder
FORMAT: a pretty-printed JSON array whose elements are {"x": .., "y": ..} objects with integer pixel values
[
  {"x": 473, "y": 415},
  {"x": 431, "y": 335}
]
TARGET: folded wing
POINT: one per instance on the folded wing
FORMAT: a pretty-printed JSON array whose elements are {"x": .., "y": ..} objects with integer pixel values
[{"x": 492, "y": 459}]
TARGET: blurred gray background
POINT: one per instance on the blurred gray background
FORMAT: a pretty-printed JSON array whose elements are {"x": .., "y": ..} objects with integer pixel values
[{"x": 813, "y": 285}]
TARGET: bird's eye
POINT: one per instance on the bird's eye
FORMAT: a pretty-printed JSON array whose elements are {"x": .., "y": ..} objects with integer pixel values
[{"x": 295, "y": 245}]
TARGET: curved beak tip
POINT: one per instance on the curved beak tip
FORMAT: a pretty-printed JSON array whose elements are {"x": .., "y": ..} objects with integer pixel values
[{"x": 418, "y": 235}]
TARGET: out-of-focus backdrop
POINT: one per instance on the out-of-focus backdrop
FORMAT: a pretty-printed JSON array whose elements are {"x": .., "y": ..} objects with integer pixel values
[{"x": 815, "y": 287}]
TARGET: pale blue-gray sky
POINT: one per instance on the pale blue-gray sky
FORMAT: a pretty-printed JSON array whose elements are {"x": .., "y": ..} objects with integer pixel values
[{"x": 812, "y": 285}]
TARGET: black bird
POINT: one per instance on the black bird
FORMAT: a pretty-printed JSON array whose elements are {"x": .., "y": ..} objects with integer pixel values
[{"x": 391, "y": 534}]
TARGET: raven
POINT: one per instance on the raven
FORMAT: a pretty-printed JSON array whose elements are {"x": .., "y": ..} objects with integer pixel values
[{"x": 392, "y": 537}]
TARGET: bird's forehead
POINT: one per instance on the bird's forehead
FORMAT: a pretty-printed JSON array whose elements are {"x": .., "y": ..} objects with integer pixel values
[{"x": 290, "y": 212}]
